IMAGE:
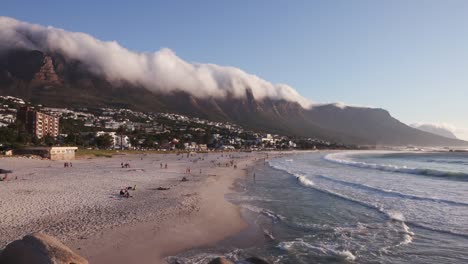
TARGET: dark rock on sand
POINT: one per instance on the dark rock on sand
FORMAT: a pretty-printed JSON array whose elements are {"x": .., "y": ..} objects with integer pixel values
[
  {"x": 220, "y": 261},
  {"x": 251, "y": 260},
  {"x": 255, "y": 260},
  {"x": 39, "y": 248}
]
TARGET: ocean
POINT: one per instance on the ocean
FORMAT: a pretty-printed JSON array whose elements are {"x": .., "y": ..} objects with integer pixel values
[{"x": 351, "y": 207}]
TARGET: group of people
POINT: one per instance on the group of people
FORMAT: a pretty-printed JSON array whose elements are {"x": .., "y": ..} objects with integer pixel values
[
  {"x": 67, "y": 164},
  {"x": 4, "y": 178},
  {"x": 125, "y": 165},
  {"x": 161, "y": 165},
  {"x": 125, "y": 191}
]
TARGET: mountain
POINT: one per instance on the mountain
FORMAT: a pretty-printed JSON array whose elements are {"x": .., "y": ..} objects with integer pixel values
[
  {"x": 435, "y": 129},
  {"x": 53, "y": 79}
]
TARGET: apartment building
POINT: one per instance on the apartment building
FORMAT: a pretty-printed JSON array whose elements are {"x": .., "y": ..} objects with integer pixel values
[{"x": 38, "y": 124}]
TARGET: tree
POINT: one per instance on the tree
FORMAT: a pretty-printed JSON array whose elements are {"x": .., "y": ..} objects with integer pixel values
[
  {"x": 49, "y": 140},
  {"x": 104, "y": 141}
]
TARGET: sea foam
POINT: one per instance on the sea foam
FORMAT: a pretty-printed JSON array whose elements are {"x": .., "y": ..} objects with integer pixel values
[{"x": 343, "y": 158}]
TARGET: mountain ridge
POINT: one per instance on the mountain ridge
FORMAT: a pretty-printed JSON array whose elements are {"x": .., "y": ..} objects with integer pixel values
[{"x": 52, "y": 79}]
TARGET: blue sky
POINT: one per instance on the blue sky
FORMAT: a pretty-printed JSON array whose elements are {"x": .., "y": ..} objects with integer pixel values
[{"x": 409, "y": 57}]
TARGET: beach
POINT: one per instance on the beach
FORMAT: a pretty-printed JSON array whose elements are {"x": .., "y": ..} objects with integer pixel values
[{"x": 164, "y": 216}]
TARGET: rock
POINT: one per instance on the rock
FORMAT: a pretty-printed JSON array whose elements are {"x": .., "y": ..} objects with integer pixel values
[
  {"x": 47, "y": 72},
  {"x": 255, "y": 260},
  {"x": 220, "y": 261},
  {"x": 39, "y": 248}
]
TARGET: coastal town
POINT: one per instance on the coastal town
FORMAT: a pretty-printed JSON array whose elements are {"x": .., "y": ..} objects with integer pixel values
[{"x": 26, "y": 124}]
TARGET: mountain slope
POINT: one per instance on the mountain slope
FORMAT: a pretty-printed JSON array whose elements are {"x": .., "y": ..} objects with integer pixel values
[{"x": 54, "y": 80}]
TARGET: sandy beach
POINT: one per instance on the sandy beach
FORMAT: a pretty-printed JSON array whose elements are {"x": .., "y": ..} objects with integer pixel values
[{"x": 81, "y": 205}]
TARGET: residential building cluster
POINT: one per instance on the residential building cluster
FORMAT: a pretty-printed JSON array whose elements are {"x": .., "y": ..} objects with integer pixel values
[{"x": 129, "y": 129}]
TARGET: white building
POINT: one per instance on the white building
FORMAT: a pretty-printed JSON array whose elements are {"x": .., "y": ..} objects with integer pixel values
[{"x": 119, "y": 141}]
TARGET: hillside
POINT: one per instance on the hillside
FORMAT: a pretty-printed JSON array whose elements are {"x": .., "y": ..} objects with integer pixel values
[{"x": 52, "y": 79}]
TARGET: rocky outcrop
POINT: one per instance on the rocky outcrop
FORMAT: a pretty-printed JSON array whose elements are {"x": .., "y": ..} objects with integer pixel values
[
  {"x": 251, "y": 260},
  {"x": 39, "y": 248},
  {"x": 255, "y": 260},
  {"x": 46, "y": 73},
  {"x": 220, "y": 261}
]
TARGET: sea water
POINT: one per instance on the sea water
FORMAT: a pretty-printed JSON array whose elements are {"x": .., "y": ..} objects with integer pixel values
[{"x": 352, "y": 207}]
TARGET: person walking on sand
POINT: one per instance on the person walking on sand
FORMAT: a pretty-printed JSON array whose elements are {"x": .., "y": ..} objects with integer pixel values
[
  {"x": 254, "y": 177},
  {"x": 165, "y": 166}
]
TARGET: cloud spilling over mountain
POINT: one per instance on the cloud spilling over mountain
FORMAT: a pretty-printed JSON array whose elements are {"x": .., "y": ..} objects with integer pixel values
[
  {"x": 442, "y": 129},
  {"x": 160, "y": 71}
]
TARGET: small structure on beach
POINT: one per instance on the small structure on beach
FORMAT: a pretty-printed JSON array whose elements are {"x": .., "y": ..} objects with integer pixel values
[{"x": 53, "y": 153}]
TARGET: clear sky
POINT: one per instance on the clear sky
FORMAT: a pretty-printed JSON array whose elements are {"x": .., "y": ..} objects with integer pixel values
[{"x": 409, "y": 57}]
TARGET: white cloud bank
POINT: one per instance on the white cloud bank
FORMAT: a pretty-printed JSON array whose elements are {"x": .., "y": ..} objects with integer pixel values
[
  {"x": 459, "y": 132},
  {"x": 161, "y": 71}
]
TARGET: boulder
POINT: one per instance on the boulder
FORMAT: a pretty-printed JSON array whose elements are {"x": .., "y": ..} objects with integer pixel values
[
  {"x": 255, "y": 260},
  {"x": 39, "y": 248},
  {"x": 220, "y": 261}
]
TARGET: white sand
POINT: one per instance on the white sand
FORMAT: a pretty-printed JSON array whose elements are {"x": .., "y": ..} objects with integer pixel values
[{"x": 81, "y": 205}]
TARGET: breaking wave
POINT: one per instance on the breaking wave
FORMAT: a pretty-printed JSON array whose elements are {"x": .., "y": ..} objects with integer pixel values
[
  {"x": 299, "y": 245},
  {"x": 339, "y": 159},
  {"x": 303, "y": 180},
  {"x": 390, "y": 193}
]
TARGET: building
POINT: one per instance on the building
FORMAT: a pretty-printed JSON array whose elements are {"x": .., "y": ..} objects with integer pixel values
[
  {"x": 38, "y": 124},
  {"x": 53, "y": 153},
  {"x": 118, "y": 141}
]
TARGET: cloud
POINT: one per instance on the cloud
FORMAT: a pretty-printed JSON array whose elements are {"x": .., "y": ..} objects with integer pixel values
[
  {"x": 460, "y": 132},
  {"x": 161, "y": 71},
  {"x": 445, "y": 126}
]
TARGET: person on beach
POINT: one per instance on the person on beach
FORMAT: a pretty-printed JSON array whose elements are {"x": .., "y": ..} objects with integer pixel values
[
  {"x": 122, "y": 192},
  {"x": 161, "y": 165},
  {"x": 165, "y": 166},
  {"x": 254, "y": 177},
  {"x": 71, "y": 164}
]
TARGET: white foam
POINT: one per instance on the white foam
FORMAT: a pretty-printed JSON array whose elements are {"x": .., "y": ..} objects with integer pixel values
[
  {"x": 341, "y": 158},
  {"x": 325, "y": 250},
  {"x": 266, "y": 212},
  {"x": 305, "y": 181}
]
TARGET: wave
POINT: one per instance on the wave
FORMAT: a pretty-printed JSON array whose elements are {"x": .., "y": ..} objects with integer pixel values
[
  {"x": 323, "y": 250},
  {"x": 275, "y": 217},
  {"x": 246, "y": 198},
  {"x": 336, "y": 158},
  {"x": 461, "y": 162},
  {"x": 305, "y": 181},
  {"x": 390, "y": 214},
  {"x": 390, "y": 193}
]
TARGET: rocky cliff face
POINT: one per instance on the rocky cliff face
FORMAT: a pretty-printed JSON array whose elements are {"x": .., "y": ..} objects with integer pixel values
[
  {"x": 46, "y": 72},
  {"x": 52, "y": 80}
]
